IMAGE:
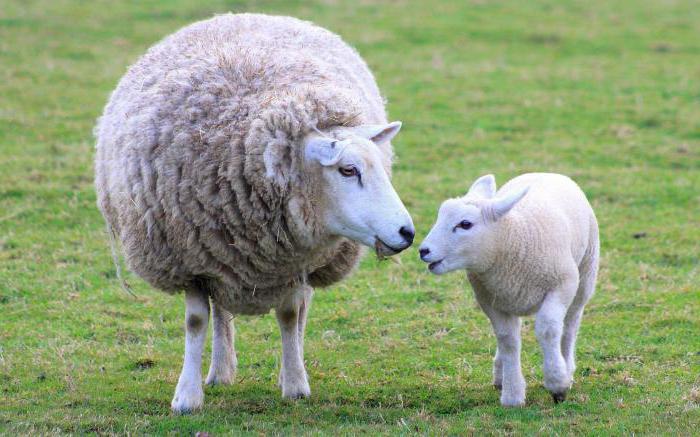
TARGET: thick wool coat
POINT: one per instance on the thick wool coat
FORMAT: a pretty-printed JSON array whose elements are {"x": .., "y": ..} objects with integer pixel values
[{"x": 199, "y": 164}]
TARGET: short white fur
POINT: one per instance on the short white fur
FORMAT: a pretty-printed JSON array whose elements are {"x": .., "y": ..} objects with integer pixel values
[{"x": 531, "y": 247}]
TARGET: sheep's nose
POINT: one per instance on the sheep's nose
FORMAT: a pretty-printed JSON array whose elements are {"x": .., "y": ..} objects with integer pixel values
[
  {"x": 424, "y": 251},
  {"x": 407, "y": 234}
]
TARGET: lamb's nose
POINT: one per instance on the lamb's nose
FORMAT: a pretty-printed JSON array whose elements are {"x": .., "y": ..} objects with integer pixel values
[
  {"x": 424, "y": 252},
  {"x": 407, "y": 234}
]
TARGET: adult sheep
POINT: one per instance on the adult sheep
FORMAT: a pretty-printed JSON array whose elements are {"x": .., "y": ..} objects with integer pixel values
[{"x": 243, "y": 160}]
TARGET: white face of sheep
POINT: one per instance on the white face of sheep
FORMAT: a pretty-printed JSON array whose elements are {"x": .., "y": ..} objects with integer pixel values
[
  {"x": 465, "y": 231},
  {"x": 361, "y": 203}
]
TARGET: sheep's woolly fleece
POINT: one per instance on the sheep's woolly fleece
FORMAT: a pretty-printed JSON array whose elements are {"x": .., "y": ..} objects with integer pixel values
[{"x": 199, "y": 167}]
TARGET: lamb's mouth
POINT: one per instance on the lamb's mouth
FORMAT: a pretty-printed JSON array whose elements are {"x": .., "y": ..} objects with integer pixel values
[
  {"x": 434, "y": 264},
  {"x": 382, "y": 249}
]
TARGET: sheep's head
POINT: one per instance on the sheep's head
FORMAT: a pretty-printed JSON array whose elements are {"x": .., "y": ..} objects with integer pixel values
[
  {"x": 359, "y": 201},
  {"x": 466, "y": 231}
]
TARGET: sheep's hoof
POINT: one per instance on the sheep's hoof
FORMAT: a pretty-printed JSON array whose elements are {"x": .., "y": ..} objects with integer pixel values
[
  {"x": 498, "y": 387},
  {"x": 220, "y": 379},
  {"x": 212, "y": 381},
  {"x": 184, "y": 405},
  {"x": 296, "y": 391},
  {"x": 559, "y": 397}
]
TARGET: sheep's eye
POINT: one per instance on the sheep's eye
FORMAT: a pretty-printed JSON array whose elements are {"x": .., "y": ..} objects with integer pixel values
[
  {"x": 465, "y": 224},
  {"x": 349, "y": 171}
]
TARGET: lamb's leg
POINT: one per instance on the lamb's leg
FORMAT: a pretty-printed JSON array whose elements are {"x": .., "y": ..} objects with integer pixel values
[
  {"x": 572, "y": 321},
  {"x": 568, "y": 339},
  {"x": 223, "y": 354},
  {"x": 293, "y": 375},
  {"x": 507, "y": 360},
  {"x": 549, "y": 324},
  {"x": 189, "y": 395}
]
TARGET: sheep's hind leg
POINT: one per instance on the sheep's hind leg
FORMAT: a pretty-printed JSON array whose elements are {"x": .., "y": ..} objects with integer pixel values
[
  {"x": 549, "y": 326},
  {"x": 308, "y": 293},
  {"x": 497, "y": 370},
  {"x": 189, "y": 395},
  {"x": 223, "y": 354},
  {"x": 293, "y": 378},
  {"x": 568, "y": 339},
  {"x": 572, "y": 321}
]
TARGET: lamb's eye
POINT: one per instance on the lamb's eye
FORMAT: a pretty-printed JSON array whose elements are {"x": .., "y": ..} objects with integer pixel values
[
  {"x": 349, "y": 171},
  {"x": 465, "y": 224}
]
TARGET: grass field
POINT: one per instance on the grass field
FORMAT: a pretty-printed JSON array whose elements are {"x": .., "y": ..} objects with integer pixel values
[{"x": 606, "y": 92}]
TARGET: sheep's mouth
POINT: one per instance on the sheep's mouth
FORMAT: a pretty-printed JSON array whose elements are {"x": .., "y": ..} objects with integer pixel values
[
  {"x": 383, "y": 250},
  {"x": 434, "y": 264}
]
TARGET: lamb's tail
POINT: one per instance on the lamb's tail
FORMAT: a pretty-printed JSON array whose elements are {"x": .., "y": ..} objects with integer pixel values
[{"x": 115, "y": 258}]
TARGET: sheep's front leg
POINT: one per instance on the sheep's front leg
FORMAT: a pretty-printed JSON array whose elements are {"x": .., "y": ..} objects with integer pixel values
[
  {"x": 549, "y": 325},
  {"x": 189, "y": 395},
  {"x": 293, "y": 377},
  {"x": 507, "y": 361},
  {"x": 307, "y": 293},
  {"x": 223, "y": 354}
]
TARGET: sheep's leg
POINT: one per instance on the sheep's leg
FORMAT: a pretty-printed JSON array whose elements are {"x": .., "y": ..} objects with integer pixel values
[
  {"x": 549, "y": 325},
  {"x": 498, "y": 370},
  {"x": 568, "y": 339},
  {"x": 189, "y": 395},
  {"x": 308, "y": 294},
  {"x": 293, "y": 375},
  {"x": 507, "y": 360},
  {"x": 223, "y": 354},
  {"x": 572, "y": 322}
]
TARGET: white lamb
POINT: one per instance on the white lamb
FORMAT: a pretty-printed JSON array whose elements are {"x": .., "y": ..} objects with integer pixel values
[{"x": 531, "y": 247}]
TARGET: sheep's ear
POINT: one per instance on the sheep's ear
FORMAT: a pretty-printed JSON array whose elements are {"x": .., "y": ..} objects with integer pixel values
[
  {"x": 484, "y": 187},
  {"x": 502, "y": 205},
  {"x": 378, "y": 133},
  {"x": 325, "y": 151}
]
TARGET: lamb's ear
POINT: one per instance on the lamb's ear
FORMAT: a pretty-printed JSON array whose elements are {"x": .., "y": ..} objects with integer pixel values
[
  {"x": 325, "y": 151},
  {"x": 500, "y": 206},
  {"x": 484, "y": 187},
  {"x": 378, "y": 133}
]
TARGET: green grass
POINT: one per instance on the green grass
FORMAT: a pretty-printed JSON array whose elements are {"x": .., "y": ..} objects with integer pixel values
[{"x": 606, "y": 92}]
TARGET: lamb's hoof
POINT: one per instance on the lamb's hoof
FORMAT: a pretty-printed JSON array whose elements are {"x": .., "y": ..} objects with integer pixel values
[
  {"x": 297, "y": 396},
  {"x": 186, "y": 403},
  {"x": 559, "y": 397},
  {"x": 498, "y": 387}
]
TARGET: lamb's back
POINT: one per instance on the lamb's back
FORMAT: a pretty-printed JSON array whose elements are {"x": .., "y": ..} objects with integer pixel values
[{"x": 559, "y": 209}]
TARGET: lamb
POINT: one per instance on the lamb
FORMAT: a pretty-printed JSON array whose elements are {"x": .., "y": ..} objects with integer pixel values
[
  {"x": 531, "y": 247},
  {"x": 246, "y": 159}
]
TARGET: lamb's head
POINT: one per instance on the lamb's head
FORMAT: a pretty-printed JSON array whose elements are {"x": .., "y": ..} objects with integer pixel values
[
  {"x": 467, "y": 232},
  {"x": 359, "y": 201}
]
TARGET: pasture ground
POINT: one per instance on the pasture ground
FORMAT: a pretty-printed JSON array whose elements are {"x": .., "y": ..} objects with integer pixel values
[{"x": 606, "y": 92}]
